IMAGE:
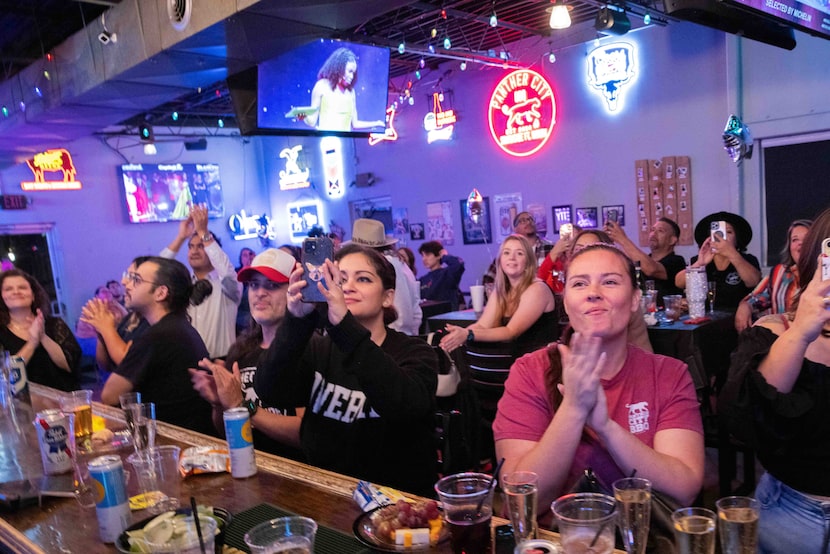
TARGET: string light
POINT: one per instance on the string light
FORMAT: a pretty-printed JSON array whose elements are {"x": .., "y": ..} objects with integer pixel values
[
  {"x": 552, "y": 57},
  {"x": 443, "y": 14},
  {"x": 22, "y": 106},
  {"x": 647, "y": 19},
  {"x": 39, "y": 92},
  {"x": 422, "y": 63},
  {"x": 175, "y": 116},
  {"x": 447, "y": 43},
  {"x": 401, "y": 48},
  {"x": 431, "y": 48},
  {"x": 434, "y": 32},
  {"x": 494, "y": 21},
  {"x": 418, "y": 74},
  {"x": 221, "y": 123},
  {"x": 463, "y": 66},
  {"x": 5, "y": 111},
  {"x": 411, "y": 101}
]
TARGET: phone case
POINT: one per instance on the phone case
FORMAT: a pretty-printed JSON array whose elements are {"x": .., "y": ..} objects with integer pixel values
[
  {"x": 825, "y": 259},
  {"x": 314, "y": 254},
  {"x": 718, "y": 228}
]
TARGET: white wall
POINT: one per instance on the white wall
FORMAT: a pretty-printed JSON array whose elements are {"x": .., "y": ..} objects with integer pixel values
[{"x": 691, "y": 78}]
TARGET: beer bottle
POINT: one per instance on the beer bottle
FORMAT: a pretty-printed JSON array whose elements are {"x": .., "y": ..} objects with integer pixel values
[{"x": 18, "y": 381}]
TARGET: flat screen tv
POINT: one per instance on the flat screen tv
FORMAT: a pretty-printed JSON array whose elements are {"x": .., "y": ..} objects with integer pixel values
[
  {"x": 326, "y": 86},
  {"x": 165, "y": 192},
  {"x": 810, "y": 16}
]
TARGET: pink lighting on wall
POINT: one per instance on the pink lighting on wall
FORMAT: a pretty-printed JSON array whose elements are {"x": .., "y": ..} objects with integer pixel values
[{"x": 522, "y": 113}]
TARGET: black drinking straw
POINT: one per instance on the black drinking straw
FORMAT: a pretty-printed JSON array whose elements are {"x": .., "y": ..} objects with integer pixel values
[
  {"x": 602, "y": 527},
  {"x": 198, "y": 527},
  {"x": 490, "y": 486}
]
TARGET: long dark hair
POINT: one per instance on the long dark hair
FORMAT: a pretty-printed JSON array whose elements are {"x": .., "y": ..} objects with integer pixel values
[
  {"x": 40, "y": 300},
  {"x": 786, "y": 256},
  {"x": 810, "y": 249},
  {"x": 175, "y": 276},
  {"x": 384, "y": 269},
  {"x": 335, "y": 67},
  {"x": 553, "y": 378}
]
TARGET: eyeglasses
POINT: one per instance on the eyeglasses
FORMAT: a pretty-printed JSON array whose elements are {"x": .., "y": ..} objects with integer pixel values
[
  {"x": 525, "y": 219},
  {"x": 270, "y": 286},
  {"x": 138, "y": 279}
]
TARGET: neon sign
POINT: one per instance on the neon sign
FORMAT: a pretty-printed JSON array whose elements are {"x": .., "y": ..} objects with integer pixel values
[
  {"x": 610, "y": 68},
  {"x": 293, "y": 177},
  {"x": 522, "y": 113},
  {"x": 54, "y": 160},
  {"x": 244, "y": 226},
  {"x": 303, "y": 215},
  {"x": 438, "y": 123},
  {"x": 390, "y": 134},
  {"x": 333, "y": 167}
]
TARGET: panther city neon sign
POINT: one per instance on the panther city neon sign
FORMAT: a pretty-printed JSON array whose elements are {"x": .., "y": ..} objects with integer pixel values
[{"x": 522, "y": 113}]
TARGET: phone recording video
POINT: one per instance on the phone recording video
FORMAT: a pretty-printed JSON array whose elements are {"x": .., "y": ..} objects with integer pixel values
[
  {"x": 825, "y": 259},
  {"x": 314, "y": 254},
  {"x": 717, "y": 230}
]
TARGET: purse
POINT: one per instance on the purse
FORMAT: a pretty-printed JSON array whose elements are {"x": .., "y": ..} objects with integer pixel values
[{"x": 661, "y": 528}]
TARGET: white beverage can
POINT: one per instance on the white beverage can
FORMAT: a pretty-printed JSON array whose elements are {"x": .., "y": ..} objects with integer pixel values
[
  {"x": 53, "y": 437},
  {"x": 112, "y": 505},
  {"x": 240, "y": 442}
]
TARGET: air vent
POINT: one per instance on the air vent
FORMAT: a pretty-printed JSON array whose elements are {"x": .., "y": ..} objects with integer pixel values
[{"x": 178, "y": 11}]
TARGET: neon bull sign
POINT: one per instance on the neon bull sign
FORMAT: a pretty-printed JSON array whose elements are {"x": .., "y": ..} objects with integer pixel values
[{"x": 52, "y": 161}]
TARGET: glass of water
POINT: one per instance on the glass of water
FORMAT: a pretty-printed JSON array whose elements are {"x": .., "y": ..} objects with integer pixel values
[
  {"x": 522, "y": 499},
  {"x": 144, "y": 425}
]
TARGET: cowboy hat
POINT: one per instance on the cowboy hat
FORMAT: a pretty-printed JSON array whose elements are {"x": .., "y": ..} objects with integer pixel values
[
  {"x": 743, "y": 230},
  {"x": 274, "y": 263},
  {"x": 371, "y": 233}
]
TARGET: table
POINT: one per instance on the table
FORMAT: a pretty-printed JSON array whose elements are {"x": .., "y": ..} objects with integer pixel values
[
  {"x": 462, "y": 318},
  {"x": 61, "y": 525},
  {"x": 430, "y": 308}
]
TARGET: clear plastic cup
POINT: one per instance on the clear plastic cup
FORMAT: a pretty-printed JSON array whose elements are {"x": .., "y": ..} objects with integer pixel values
[{"x": 293, "y": 534}]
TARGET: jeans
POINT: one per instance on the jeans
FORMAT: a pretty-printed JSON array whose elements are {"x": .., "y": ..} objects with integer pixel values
[{"x": 790, "y": 522}]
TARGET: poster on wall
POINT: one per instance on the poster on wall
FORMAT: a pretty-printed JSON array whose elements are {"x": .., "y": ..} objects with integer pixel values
[
  {"x": 507, "y": 206},
  {"x": 586, "y": 218},
  {"x": 561, "y": 215},
  {"x": 400, "y": 224},
  {"x": 616, "y": 212},
  {"x": 439, "y": 222},
  {"x": 416, "y": 231},
  {"x": 540, "y": 217},
  {"x": 477, "y": 233},
  {"x": 379, "y": 208}
]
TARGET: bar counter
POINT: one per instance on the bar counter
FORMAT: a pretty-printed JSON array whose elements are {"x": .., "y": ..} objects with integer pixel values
[{"x": 62, "y": 525}]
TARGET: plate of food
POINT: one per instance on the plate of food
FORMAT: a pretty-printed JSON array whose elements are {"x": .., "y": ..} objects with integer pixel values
[
  {"x": 131, "y": 540},
  {"x": 402, "y": 527}
]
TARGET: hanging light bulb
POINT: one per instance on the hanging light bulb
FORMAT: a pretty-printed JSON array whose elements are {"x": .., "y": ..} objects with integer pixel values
[
  {"x": 440, "y": 96},
  {"x": 447, "y": 43},
  {"x": 22, "y": 106},
  {"x": 221, "y": 123},
  {"x": 463, "y": 66},
  {"x": 175, "y": 116},
  {"x": 443, "y": 14},
  {"x": 150, "y": 149},
  {"x": 422, "y": 63},
  {"x": 418, "y": 74},
  {"x": 431, "y": 48},
  {"x": 411, "y": 101},
  {"x": 552, "y": 57},
  {"x": 494, "y": 21},
  {"x": 5, "y": 111},
  {"x": 647, "y": 19},
  {"x": 39, "y": 92},
  {"x": 401, "y": 48},
  {"x": 434, "y": 32},
  {"x": 560, "y": 17}
]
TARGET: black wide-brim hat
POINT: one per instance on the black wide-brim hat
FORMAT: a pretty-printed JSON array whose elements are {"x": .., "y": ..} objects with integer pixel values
[{"x": 743, "y": 230}]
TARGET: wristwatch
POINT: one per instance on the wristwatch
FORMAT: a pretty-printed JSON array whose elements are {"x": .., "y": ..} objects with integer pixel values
[
  {"x": 470, "y": 335},
  {"x": 207, "y": 237},
  {"x": 250, "y": 405}
]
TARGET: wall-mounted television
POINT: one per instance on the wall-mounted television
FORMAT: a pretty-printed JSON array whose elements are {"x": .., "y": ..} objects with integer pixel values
[
  {"x": 165, "y": 192},
  {"x": 811, "y": 16},
  {"x": 326, "y": 86}
]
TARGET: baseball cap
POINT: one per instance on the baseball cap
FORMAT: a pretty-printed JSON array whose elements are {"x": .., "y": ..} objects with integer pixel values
[{"x": 275, "y": 264}]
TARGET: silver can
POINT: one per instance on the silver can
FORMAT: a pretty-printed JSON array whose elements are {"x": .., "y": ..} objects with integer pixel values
[
  {"x": 537, "y": 546},
  {"x": 53, "y": 430},
  {"x": 240, "y": 442}
]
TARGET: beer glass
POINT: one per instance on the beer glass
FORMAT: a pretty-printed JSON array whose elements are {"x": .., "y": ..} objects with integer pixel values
[
  {"x": 694, "y": 530},
  {"x": 738, "y": 524},
  {"x": 633, "y": 496},
  {"x": 521, "y": 497}
]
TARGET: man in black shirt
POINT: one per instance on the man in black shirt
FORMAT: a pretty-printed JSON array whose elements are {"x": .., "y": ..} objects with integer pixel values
[
  {"x": 156, "y": 364},
  {"x": 662, "y": 264}
]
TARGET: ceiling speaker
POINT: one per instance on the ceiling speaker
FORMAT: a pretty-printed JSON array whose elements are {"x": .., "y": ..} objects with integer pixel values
[
  {"x": 200, "y": 144},
  {"x": 612, "y": 22}
]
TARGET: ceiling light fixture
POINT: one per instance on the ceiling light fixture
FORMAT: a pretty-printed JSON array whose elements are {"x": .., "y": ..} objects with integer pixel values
[
  {"x": 560, "y": 16},
  {"x": 494, "y": 21},
  {"x": 612, "y": 21},
  {"x": 647, "y": 18},
  {"x": 150, "y": 149}
]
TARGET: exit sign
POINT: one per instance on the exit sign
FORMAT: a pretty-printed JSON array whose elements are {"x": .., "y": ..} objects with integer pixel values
[{"x": 13, "y": 202}]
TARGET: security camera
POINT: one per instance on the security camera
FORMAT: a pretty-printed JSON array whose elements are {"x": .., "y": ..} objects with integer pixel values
[{"x": 105, "y": 37}]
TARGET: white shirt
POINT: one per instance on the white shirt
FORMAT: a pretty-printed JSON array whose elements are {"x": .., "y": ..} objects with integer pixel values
[
  {"x": 407, "y": 298},
  {"x": 215, "y": 317}
]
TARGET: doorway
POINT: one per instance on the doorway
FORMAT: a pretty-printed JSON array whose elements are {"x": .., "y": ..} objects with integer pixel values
[{"x": 30, "y": 247}]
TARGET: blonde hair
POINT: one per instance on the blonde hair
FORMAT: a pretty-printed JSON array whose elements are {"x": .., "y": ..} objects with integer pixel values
[{"x": 509, "y": 295}]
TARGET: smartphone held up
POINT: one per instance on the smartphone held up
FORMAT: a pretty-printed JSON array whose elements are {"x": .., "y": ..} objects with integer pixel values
[
  {"x": 825, "y": 259},
  {"x": 314, "y": 254}
]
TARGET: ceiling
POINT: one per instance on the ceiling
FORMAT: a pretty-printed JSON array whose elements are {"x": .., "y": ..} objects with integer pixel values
[{"x": 148, "y": 70}]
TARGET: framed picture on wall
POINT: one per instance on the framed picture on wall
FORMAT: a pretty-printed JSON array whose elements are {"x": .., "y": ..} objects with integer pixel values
[
  {"x": 586, "y": 218},
  {"x": 416, "y": 231},
  {"x": 439, "y": 222},
  {"x": 379, "y": 208},
  {"x": 618, "y": 212},
  {"x": 476, "y": 233},
  {"x": 561, "y": 214},
  {"x": 541, "y": 218}
]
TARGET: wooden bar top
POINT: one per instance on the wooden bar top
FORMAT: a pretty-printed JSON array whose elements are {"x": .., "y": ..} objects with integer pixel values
[{"x": 62, "y": 525}]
